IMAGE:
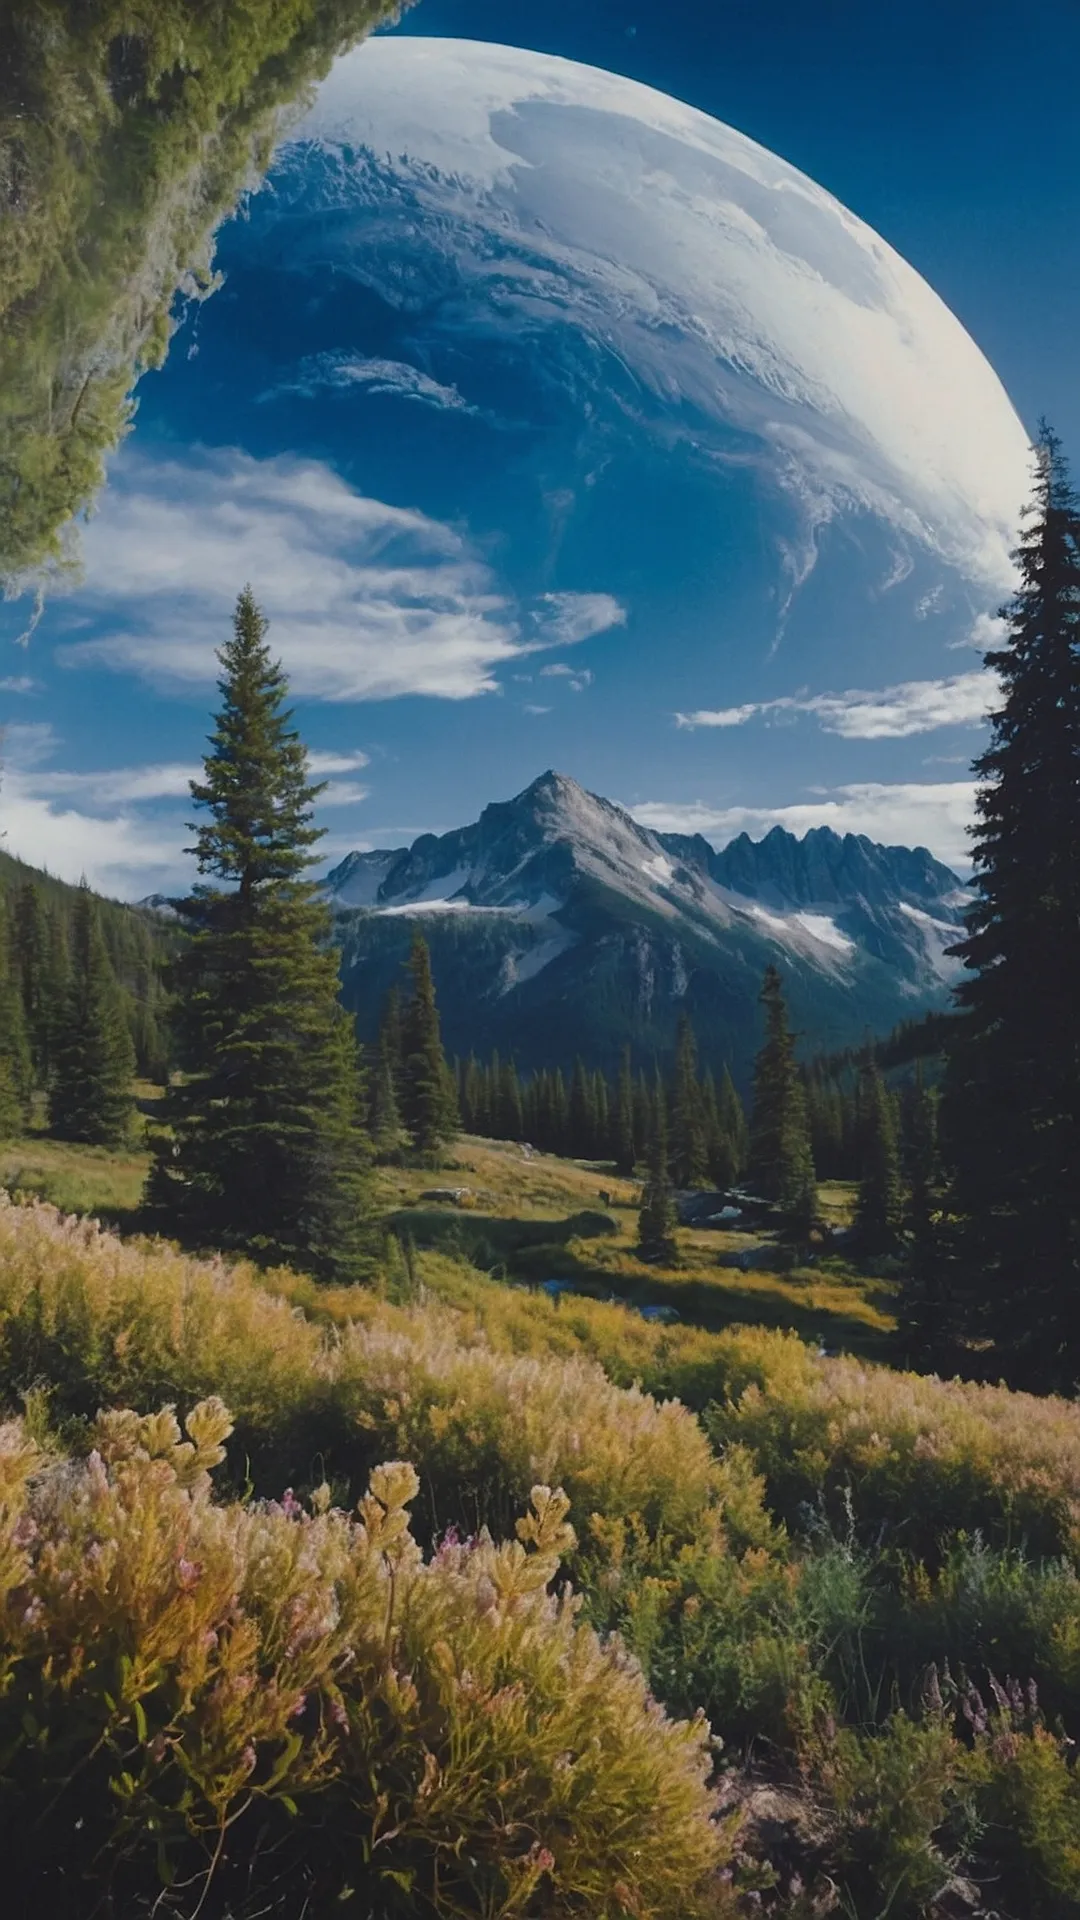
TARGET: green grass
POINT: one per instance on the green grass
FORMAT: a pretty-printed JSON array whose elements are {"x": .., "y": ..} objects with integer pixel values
[
  {"x": 522, "y": 1222},
  {"x": 76, "y": 1179},
  {"x": 513, "y": 1197}
]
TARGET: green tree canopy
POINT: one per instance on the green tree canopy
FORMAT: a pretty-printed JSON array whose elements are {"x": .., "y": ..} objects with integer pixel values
[
  {"x": 880, "y": 1210},
  {"x": 90, "y": 1097},
  {"x": 1011, "y": 1116},
  {"x": 264, "y": 1149},
  {"x": 429, "y": 1101},
  {"x": 689, "y": 1146},
  {"x": 657, "y": 1219},
  {"x": 781, "y": 1160}
]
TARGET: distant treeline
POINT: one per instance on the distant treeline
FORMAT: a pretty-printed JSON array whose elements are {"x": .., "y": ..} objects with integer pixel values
[
  {"x": 82, "y": 1003},
  {"x": 925, "y": 1039},
  {"x": 590, "y": 1115}
]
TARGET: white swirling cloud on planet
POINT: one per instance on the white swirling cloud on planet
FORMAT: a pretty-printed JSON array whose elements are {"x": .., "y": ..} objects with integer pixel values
[
  {"x": 512, "y": 356},
  {"x": 723, "y": 276}
]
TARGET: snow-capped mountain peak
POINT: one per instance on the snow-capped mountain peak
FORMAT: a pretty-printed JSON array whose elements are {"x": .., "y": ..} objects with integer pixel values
[
  {"x": 824, "y": 897},
  {"x": 549, "y": 894}
]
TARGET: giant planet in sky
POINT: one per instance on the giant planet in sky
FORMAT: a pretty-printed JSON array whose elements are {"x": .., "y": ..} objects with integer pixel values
[{"x": 524, "y": 380}]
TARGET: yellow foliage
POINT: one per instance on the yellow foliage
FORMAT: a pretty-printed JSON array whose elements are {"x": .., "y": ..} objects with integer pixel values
[{"x": 201, "y": 1669}]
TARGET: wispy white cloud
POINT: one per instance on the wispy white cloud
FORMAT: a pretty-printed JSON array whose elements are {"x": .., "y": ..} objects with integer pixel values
[
  {"x": 343, "y": 793},
  {"x": 566, "y": 619},
  {"x": 577, "y": 681},
  {"x": 719, "y": 716},
  {"x": 25, "y": 743},
  {"x": 117, "y": 786},
  {"x": 367, "y": 601},
  {"x": 120, "y": 853},
  {"x": 934, "y": 814},
  {"x": 18, "y": 683},
  {"x": 988, "y": 630},
  {"x": 90, "y": 822},
  {"x": 341, "y": 371},
  {"x": 536, "y": 711},
  {"x": 894, "y": 713},
  {"x": 321, "y": 764}
]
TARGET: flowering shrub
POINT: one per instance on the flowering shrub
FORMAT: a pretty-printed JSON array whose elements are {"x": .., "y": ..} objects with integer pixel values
[
  {"x": 975, "y": 1792},
  {"x": 270, "y": 1704},
  {"x": 103, "y": 1321},
  {"x": 928, "y": 1456},
  {"x": 265, "y": 1708}
]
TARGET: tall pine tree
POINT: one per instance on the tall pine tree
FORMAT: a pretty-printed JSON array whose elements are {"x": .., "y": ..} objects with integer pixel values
[
  {"x": 624, "y": 1142},
  {"x": 582, "y": 1113},
  {"x": 429, "y": 1099},
  {"x": 880, "y": 1210},
  {"x": 733, "y": 1121},
  {"x": 16, "y": 1070},
  {"x": 924, "y": 1326},
  {"x": 265, "y": 1149},
  {"x": 93, "y": 1060},
  {"x": 384, "y": 1108},
  {"x": 781, "y": 1159},
  {"x": 689, "y": 1155},
  {"x": 1011, "y": 1116},
  {"x": 29, "y": 948},
  {"x": 657, "y": 1219}
]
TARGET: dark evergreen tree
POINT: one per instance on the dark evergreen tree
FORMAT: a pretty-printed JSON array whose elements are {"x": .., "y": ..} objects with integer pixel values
[
  {"x": 511, "y": 1111},
  {"x": 719, "y": 1148},
  {"x": 624, "y": 1137},
  {"x": 471, "y": 1098},
  {"x": 39, "y": 994},
  {"x": 924, "y": 1325},
  {"x": 90, "y": 1097},
  {"x": 1011, "y": 1115},
  {"x": 657, "y": 1220},
  {"x": 16, "y": 1068},
  {"x": 390, "y": 1037},
  {"x": 689, "y": 1158},
  {"x": 733, "y": 1121},
  {"x": 560, "y": 1110},
  {"x": 265, "y": 1148},
  {"x": 643, "y": 1113},
  {"x": 384, "y": 1106},
  {"x": 601, "y": 1106},
  {"x": 582, "y": 1114},
  {"x": 428, "y": 1102},
  {"x": 880, "y": 1210},
  {"x": 781, "y": 1159}
]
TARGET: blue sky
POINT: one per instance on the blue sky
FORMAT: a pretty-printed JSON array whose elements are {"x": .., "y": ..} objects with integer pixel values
[{"x": 489, "y": 546}]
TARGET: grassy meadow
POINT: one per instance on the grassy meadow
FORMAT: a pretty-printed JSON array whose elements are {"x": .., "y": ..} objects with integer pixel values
[{"x": 459, "y": 1597}]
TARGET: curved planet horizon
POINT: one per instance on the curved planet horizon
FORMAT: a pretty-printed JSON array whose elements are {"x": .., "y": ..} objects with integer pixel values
[{"x": 523, "y": 378}]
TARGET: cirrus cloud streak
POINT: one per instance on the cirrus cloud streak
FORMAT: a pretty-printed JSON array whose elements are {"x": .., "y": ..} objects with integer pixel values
[
  {"x": 894, "y": 713},
  {"x": 368, "y": 601}
]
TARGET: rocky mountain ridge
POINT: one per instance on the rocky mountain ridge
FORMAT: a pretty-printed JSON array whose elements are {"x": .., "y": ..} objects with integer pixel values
[{"x": 557, "y": 906}]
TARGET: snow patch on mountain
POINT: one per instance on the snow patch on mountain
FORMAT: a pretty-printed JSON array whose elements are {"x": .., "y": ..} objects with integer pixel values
[
  {"x": 834, "y": 904},
  {"x": 937, "y": 936},
  {"x": 820, "y": 927}
]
